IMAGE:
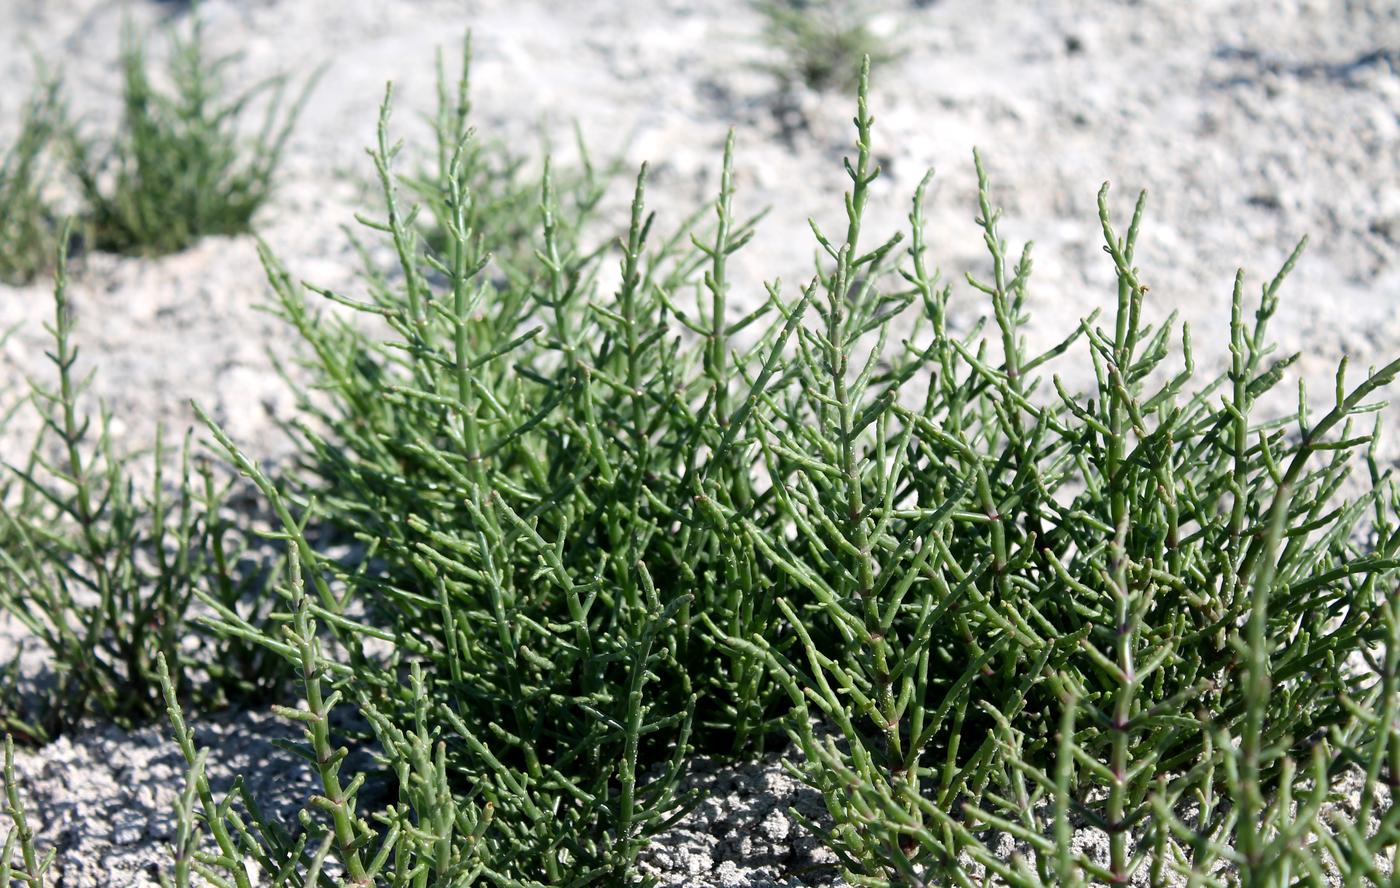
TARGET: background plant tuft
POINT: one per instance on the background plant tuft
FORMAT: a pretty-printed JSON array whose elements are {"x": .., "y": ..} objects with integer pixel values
[
  {"x": 28, "y": 224},
  {"x": 180, "y": 166}
]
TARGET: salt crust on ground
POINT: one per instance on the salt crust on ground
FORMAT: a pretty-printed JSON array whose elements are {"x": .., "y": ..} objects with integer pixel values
[{"x": 1252, "y": 122}]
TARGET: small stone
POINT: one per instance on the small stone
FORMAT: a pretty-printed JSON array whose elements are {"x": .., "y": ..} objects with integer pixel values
[
  {"x": 776, "y": 827},
  {"x": 128, "y": 830}
]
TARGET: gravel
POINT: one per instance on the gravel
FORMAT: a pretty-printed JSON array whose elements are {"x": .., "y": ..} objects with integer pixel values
[{"x": 103, "y": 798}]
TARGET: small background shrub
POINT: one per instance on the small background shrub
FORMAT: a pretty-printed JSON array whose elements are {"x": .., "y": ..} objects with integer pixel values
[
  {"x": 179, "y": 166},
  {"x": 822, "y": 42},
  {"x": 28, "y": 225}
]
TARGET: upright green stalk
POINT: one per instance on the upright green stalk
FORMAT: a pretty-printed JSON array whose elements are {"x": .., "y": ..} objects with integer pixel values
[
  {"x": 717, "y": 282},
  {"x": 197, "y": 781},
  {"x": 1125, "y": 617},
  {"x": 1258, "y": 688},
  {"x": 32, "y": 866}
]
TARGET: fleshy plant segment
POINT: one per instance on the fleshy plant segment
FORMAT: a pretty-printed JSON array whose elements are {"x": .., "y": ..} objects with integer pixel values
[{"x": 20, "y": 862}]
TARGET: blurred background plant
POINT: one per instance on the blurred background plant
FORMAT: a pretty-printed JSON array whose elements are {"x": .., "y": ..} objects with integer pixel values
[
  {"x": 821, "y": 42},
  {"x": 28, "y": 223},
  {"x": 180, "y": 166}
]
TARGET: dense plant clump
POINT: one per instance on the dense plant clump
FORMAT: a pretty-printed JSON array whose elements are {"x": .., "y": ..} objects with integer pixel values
[
  {"x": 28, "y": 225},
  {"x": 179, "y": 166},
  {"x": 599, "y": 534},
  {"x": 1114, "y": 605},
  {"x": 600, "y": 527}
]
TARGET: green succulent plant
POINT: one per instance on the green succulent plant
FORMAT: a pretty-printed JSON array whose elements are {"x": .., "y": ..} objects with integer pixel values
[
  {"x": 28, "y": 223},
  {"x": 821, "y": 43},
  {"x": 180, "y": 166}
]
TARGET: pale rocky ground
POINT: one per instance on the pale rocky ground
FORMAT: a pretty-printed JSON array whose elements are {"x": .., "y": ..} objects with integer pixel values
[{"x": 1251, "y": 123}]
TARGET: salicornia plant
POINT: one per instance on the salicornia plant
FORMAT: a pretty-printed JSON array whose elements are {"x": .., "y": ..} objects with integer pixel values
[
  {"x": 105, "y": 577},
  {"x": 821, "y": 42},
  {"x": 1018, "y": 605},
  {"x": 553, "y": 677},
  {"x": 599, "y": 534},
  {"x": 28, "y": 224},
  {"x": 180, "y": 165}
]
